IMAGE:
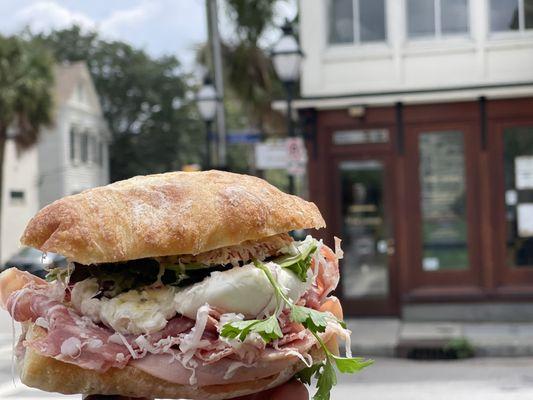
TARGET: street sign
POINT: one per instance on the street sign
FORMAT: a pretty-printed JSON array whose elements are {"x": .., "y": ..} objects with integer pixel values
[
  {"x": 271, "y": 155},
  {"x": 289, "y": 154},
  {"x": 297, "y": 156},
  {"x": 244, "y": 137}
]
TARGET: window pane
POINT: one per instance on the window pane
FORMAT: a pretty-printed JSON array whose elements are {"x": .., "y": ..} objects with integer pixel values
[
  {"x": 72, "y": 134},
  {"x": 84, "y": 147},
  {"x": 372, "y": 20},
  {"x": 443, "y": 201},
  {"x": 528, "y": 13},
  {"x": 503, "y": 15},
  {"x": 518, "y": 167},
  {"x": 365, "y": 230},
  {"x": 420, "y": 18},
  {"x": 341, "y": 21},
  {"x": 454, "y": 16}
]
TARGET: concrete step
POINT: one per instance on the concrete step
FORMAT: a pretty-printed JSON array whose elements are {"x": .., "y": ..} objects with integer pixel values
[
  {"x": 468, "y": 312},
  {"x": 391, "y": 337}
]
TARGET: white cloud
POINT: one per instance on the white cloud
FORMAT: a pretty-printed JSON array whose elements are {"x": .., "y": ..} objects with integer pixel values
[
  {"x": 126, "y": 19},
  {"x": 47, "y": 15}
]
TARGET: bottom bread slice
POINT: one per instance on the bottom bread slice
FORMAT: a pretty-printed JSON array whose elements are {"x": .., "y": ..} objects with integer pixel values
[{"x": 52, "y": 375}]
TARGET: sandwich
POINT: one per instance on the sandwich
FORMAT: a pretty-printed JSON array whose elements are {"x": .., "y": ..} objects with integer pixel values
[{"x": 179, "y": 285}]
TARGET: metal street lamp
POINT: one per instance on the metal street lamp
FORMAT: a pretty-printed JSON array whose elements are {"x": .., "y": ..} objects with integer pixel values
[
  {"x": 206, "y": 99},
  {"x": 287, "y": 58}
]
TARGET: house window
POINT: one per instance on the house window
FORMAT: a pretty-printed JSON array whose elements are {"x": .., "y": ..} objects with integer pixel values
[
  {"x": 16, "y": 197},
  {"x": 92, "y": 149},
  {"x": 72, "y": 140},
  {"x": 101, "y": 153},
  {"x": 436, "y": 18},
  {"x": 84, "y": 147},
  {"x": 511, "y": 15},
  {"x": 356, "y": 21}
]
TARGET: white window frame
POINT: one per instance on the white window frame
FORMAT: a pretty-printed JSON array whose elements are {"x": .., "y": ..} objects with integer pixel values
[
  {"x": 437, "y": 22},
  {"x": 357, "y": 27},
  {"x": 522, "y": 30}
]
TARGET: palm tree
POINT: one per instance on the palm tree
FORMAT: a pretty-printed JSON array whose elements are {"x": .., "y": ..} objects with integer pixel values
[
  {"x": 26, "y": 79},
  {"x": 249, "y": 75}
]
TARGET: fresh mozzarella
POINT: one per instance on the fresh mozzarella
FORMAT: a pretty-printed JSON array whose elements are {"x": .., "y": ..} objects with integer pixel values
[
  {"x": 82, "y": 298},
  {"x": 245, "y": 290},
  {"x": 134, "y": 312}
]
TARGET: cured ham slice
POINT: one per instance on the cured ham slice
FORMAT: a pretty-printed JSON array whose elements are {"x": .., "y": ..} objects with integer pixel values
[{"x": 69, "y": 337}]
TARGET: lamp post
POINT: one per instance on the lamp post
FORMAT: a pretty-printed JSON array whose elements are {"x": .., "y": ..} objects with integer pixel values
[
  {"x": 287, "y": 58},
  {"x": 206, "y": 99}
]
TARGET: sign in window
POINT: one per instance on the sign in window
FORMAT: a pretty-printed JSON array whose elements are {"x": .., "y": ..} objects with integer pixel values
[
  {"x": 443, "y": 201},
  {"x": 518, "y": 175}
]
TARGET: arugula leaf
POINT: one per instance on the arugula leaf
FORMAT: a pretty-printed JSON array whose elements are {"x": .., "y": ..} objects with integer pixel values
[
  {"x": 299, "y": 263},
  {"x": 268, "y": 328}
]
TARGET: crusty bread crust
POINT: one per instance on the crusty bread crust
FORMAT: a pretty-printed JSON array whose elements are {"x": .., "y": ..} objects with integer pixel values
[
  {"x": 51, "y": 375},
  {"x": 167, "y": 214}
]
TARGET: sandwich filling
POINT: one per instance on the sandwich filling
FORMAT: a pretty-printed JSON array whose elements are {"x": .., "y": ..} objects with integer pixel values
[{"x": 229, "y": 315}]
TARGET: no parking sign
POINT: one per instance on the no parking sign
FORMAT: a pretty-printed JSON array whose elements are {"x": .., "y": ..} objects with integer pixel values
[{"x": 297, "y": 156}]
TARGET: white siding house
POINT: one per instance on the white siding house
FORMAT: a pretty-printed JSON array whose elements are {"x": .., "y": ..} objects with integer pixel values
[{"x": 71, "y": 155}]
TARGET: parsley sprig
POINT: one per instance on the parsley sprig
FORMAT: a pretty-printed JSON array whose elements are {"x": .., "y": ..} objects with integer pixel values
[
  {"x": 268, "y": 329},
  {"x": 300, "y": 262},
  {"x": 316, "y": 322}
]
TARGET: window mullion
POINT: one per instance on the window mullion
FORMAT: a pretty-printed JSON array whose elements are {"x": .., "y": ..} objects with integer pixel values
[
  {"x": 521, "y": 16},
  {"x": 437, "y": 16},
  {"x": 356, "y": 25}
]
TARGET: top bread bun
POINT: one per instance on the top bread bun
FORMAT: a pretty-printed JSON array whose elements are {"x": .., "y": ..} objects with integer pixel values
[{"x": 167, "y": 214}]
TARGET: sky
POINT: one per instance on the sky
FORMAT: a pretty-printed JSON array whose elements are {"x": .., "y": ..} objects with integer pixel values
[{"x": 158, "y": 26}]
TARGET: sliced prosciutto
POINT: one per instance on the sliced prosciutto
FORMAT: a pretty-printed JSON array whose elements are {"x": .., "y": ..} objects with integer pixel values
[{"x": 69, "y": 337}]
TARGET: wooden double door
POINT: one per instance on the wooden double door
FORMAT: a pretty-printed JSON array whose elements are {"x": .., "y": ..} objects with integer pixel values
[{"x": 442, "y": 213}]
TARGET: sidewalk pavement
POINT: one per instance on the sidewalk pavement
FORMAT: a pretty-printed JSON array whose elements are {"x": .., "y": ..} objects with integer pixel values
[{"x": 383, "y": 337}]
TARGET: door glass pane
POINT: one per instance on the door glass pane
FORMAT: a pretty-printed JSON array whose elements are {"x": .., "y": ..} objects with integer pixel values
[
  {"x": 503, "y": 15},
  {"x": 518, "y": 167},
  {"x": 420, "y": 18},
  {"x": 528, "y": 13},
  {"x": 341, "y": 21},
  {"x": 372, "y": 20},
  {"x": 365, "y": 230},
  {"x": 443, "y": 201},
  {"x": 454, "y": 16}
]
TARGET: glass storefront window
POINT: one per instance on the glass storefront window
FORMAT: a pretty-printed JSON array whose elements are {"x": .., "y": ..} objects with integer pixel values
[
  {"x": 443, "y": 201},
  {"x": 518, "y": 170},
  {"x": 365, "y": 230}
]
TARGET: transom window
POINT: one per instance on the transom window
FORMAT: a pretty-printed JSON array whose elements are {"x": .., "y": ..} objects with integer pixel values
[
  {"x": 511, "y": 15},
  {"x": 356, "y": 21},
  {"x": 436, "y": 18}
]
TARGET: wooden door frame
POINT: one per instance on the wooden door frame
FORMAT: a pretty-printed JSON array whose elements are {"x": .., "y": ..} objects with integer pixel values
[
  {"x": 509, "y": 281},
  {"x": 369, "y": 307},
  {"x": 433, "y": 284}
]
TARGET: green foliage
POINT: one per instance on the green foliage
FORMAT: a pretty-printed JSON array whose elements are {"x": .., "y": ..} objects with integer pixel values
[
  {"x": 461, "y": 347},
  {"x": 144, "y": 99},
  {"x": 26, "y": 79}
]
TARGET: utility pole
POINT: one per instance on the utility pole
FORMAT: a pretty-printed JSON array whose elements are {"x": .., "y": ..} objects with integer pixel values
[{"x": 216, "y": 57}]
